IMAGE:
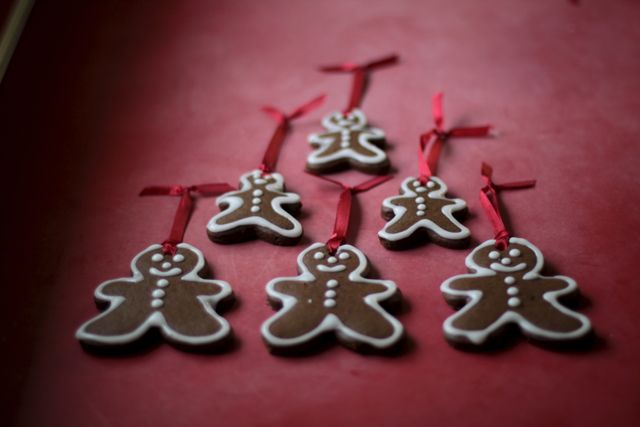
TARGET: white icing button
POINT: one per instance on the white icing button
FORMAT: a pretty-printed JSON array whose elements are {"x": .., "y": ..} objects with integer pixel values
[
  {"x": 330, "y": 294},
  {"x": 343, "y": 255},
  {"x": 329, "y": 303},
  {"x": 344, "y": 144},
  {"x": 509, "y": 280},
  {"x": 255, "y": 208},
  {"x": 166, "y": 265},
  {"x": 416, "y": 183},
  {"x": 513, "y": 302},
  {"x": 158, "y": 293},
  {"x": 163, "y": 283},
  {"x": 422, "y": 207},
  {"x": 431, "y": 184},
  {"x": 256, "y": 201},
  {"x": 259, "y": 181},
  {"x": 494, "y": 254},
  {"x": 333, "y": 283},
  {"x": 514, "y": 253},
  {"x": 332, "y": 260},
  {"x": 506, "y": 261},
  {"x": 420, "y": 213},
  {"x": 318, "y": 255},
  {"x": 513, "y": 291},
  {"x": 421, "y": 189},
  {"x": 156, "y": 257},
  {"x": 419, "y": 199},
  {"x": 157, "y": 303},
  {"x": 178, "y": 258},
  {"x": 257, "y": 193}
]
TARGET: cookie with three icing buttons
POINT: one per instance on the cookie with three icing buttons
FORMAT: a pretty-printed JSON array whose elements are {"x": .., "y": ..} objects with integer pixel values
[
  {"x": 331, "y": 296},
  {"x": 166, "y": 295},
  {"x": 506, "y": 289},
  {"x": 423, "y": 212},
  {"x": 260, "y": 208},
  {"x": 348, "y": 142}
]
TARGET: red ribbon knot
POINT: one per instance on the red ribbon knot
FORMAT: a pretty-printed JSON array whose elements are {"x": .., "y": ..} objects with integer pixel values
[
  {"x": 343, "y": 211},
  {"x": 435, "y": 138},
  {"x": 360, "y": 72},
  {"x": 272, "y": 152},
  {"x": 489, "y": 201},
  {"x": 183, "y": 213}
]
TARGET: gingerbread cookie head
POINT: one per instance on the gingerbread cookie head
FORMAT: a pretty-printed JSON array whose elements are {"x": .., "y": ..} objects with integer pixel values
[
  {"x": 257, "y": 180},
  {"x": 519, "y": 259},
  {"x": 156, "y": 263},
  {"x": 352, "y": 121},
  {"x": 318, "y": 260}
]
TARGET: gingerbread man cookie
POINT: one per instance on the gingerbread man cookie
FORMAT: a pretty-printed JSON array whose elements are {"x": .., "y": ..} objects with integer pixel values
[
  {"x": 505, "y": 289},
  {"x": 330, "y": 295},
  {"x": 165, "y": 293},
  {"x": 260, "y": 208},
  {"x": 348, "y": 142},
  {"x": 423, "y": 209}
]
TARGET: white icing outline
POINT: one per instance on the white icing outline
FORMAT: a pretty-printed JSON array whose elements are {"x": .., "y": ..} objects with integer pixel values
[
  {"x": 331, "y": 322},
  {"x": 156, "y": 319},
  {"x": 448, "y": 210},
  {"x": 234, "y": 202},
  {"x": 322, "y": 144},
  {"x": 478, "y": 337}
]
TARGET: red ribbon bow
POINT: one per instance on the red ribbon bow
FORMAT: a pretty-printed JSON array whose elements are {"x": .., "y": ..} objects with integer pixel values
[
  {"x": 343, "y": 211},
  {"x": 184, "y": 208},
  {"x": 428, "y": 165},
  {"x": 270, "y": 158},
  {"x": 359, "y": 76},
  {"x": 489, "y": 201}
]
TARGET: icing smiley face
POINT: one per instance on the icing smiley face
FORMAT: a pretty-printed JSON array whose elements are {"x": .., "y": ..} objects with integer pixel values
[
  {"x": 354, "y": 120},
  {"x": 320, "y": 260},
  {"x": 516, "y": 258},
  {"x": 159, "y": 264}
]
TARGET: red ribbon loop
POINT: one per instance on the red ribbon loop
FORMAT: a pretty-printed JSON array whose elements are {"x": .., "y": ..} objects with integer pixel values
[
  {"x": 359, "y": 76},
  {"x": 343, "y": 211},
  {"x": 273, "y": 149},
  {"x": 185, "y": 207},
  {"x": 427, "y": 165},
  {"x": 489, "y": 202}
]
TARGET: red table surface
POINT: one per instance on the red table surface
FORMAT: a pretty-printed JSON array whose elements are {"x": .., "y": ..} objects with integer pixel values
[{"x": 104, "y": 98}]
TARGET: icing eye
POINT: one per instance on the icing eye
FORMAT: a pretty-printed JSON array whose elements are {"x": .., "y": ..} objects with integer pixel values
[
  {"x": 344, "y": 255},
  {"x": 157, "y": 257},
  {"x": 166, "y": 265},
  {"x": 505, "y": 261},
  {"x": 415, "y": 183},
  {"x": 178, "y": 258},
  {"x": 494, "y": 255},
  {"x": 514, "y": 253},
  {"x": 318, "y": 255},
  {"x": 332, "y": 260},
  {"x": 431, "y": 184}
]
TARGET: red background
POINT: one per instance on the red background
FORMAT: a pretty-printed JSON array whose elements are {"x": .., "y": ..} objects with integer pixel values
[{"x": 104, "y": 98}]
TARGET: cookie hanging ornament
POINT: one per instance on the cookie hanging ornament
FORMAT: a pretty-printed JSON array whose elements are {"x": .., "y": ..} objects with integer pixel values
[
  {"x": 330, "y": 295},
  {"x": 505, "y": 288},
  {"x": 349, "y": 141},
  {"x": 166, "y": 294},
  {"x": 423, "y": 210},
  {"x": 261, "y": 207}
]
